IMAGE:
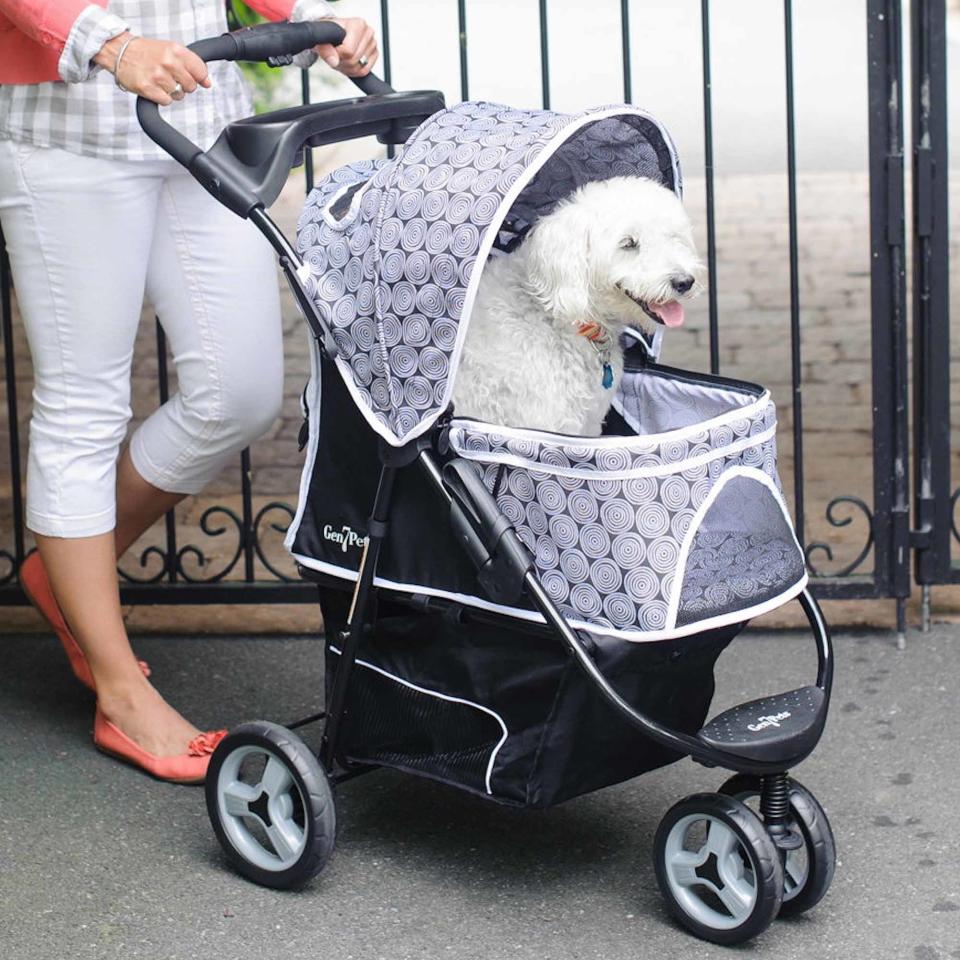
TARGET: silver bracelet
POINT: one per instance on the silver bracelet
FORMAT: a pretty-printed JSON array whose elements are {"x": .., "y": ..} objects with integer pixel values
[{"x": 116, "y": 67}]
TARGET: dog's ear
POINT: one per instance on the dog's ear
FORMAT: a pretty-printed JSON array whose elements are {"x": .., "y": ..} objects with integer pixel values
[{"x": 557, "y": 256}]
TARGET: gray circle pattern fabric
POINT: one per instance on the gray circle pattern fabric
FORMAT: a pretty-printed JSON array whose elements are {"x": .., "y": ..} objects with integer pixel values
[
  {"x": 392, "y": 246},
  {"x": 606, "y": 521}
]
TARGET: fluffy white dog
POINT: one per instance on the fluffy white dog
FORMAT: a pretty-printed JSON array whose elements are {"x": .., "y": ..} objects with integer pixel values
[{"x": 543, "y": 348}]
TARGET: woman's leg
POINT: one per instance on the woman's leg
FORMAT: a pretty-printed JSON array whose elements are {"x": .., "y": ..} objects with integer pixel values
[
  {"x": 139, "y": 504},
  {"x": 83, "y": 574},
  {"x": 79, "y": 231}
]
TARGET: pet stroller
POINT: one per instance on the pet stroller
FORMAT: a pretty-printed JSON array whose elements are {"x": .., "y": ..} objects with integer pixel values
[{"x": 522, "y": 615}]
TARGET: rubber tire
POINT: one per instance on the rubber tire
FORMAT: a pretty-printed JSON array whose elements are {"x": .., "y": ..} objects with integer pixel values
[
  {"x": 815, "y": 829},
  {"x": 320, "y": 818},
  {"x": 765, "y": 862}
]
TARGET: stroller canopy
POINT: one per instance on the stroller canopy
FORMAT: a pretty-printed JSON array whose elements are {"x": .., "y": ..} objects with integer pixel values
[{"x": 395, "y": 248}]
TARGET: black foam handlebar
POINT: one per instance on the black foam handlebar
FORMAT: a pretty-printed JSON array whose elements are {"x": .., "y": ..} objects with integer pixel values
[
  {"x": 266, "y": 41},
  {"x": 260, "y": 43}
]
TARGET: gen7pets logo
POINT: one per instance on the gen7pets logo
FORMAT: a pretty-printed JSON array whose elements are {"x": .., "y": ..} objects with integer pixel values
[
  {"x": 763, "y": 722},
  {"x": 347, "y": 537}
]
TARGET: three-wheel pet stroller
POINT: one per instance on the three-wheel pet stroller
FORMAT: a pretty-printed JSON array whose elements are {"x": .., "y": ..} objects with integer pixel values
[{"x": 522, "y": 615}]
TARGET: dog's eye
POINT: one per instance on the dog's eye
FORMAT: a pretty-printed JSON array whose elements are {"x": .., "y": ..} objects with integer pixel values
[{"x": 629, "y": 243}]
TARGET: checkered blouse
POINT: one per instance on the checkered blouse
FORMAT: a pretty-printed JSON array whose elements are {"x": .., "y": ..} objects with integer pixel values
[{"x": 90, "y": 115}]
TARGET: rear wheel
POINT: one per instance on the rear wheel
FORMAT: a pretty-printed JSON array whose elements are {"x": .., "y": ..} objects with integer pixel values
[
  {"x": 270, "y": 805},
  {"x": 718, "y": 869},
  {"x": 808, "y": 871}
]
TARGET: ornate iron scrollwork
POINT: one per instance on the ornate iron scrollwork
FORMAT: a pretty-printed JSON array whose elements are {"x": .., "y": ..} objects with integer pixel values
[
  {"x": 205, "y": 526},
  {"x": 258, "y": 547},
  {"x": 253, "y": 536},
  {"x": 144, "y": 558},
  {"x": 836, "y": 521},
  {"x": 953, "y": 513}
]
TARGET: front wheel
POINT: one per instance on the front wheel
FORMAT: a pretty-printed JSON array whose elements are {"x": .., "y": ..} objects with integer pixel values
[
  {"x": 808, "y": 871},
  {"x": 270, "y": 805},
  {"x": 718, "y": 869}
]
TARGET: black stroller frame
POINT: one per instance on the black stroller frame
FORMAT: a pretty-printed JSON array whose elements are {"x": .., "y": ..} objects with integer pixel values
[{"x": 245, "y": 170}]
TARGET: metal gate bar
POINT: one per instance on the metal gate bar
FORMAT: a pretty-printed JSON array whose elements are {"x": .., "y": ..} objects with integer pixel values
[
  {"x": 625, "y": 51},
  {"x": 708, "y": 181},
  {"x": 796, "y": 371},
  {"x": 13, "y": 424},
  {"x": 933, "y": 502},
  {"x": 891, "y": 512}
]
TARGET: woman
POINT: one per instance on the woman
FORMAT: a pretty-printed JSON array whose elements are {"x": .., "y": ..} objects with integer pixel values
[{"x": 94, "y": 216}]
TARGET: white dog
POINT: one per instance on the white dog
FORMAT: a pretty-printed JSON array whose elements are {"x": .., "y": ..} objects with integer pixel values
[{"x": 543, "y": 348}]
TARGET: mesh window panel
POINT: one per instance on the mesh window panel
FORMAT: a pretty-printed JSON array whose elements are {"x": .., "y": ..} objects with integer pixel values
[
  {"x": 389, "y": 722},
  {"x": 742, "y": 555}
]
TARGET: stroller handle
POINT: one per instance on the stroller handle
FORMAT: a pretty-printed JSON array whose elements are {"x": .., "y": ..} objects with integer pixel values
[
  {"x": 248, "y": 165},
  {"x": 274, "y": 43}
]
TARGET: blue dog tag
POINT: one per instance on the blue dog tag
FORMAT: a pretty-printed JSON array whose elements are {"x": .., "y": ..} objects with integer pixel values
[{"x": 607, "y": 376}]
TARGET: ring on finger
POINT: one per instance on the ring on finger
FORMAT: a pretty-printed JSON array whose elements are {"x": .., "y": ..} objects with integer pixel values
[
  {"x": 177, "y": 92},
  {"x": 363, "y": 61}
]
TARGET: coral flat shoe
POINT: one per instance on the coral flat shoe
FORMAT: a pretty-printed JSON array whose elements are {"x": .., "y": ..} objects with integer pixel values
[
  {"x": 189, "y": 767},
  {"x": 33, "y": 579}
]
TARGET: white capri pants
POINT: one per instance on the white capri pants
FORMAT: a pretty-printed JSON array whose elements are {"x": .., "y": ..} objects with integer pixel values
[{"x": 87, "y": 237}]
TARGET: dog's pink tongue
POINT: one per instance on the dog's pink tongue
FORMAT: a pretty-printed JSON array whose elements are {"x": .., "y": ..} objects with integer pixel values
[{"x": 670, "y": 313}]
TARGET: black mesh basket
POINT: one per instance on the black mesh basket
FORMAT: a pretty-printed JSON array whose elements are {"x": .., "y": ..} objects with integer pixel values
[{"x": 500, "y": 710}]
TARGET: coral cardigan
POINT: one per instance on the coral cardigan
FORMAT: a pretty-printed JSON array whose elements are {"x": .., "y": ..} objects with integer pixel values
[{"x": 33, "y": 34}]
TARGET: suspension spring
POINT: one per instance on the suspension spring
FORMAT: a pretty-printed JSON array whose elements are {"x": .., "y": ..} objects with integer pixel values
[{"x": 775, "y": 800}]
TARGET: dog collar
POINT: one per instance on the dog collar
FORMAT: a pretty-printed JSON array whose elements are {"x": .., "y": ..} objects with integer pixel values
[{"x": 599, "y": 339}]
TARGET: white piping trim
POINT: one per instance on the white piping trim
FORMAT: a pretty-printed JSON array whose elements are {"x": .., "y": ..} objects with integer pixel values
[
  {"x": 531, "y": 616},
  {"x": 750, "y": 473},
  {"x": 641, "y": 443},
  {"x": 549, "y": 149},
  {"x": 663, "y": 470},
  {"x": 443, "y": 696},
  {"x": 313, "y": 421}
]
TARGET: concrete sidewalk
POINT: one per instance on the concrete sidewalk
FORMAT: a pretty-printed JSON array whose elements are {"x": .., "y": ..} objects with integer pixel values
[{"x": 99, "y": 861}]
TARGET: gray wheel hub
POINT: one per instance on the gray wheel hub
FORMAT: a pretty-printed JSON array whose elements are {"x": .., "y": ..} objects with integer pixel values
[
  {"x": 269, "y": 804},
  {"x": 717, "y": 874}
]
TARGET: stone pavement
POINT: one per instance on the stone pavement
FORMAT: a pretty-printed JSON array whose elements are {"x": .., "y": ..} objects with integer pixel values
[
  {"x": 102, "y": 863},
  {"x": 754, "y": 310}
]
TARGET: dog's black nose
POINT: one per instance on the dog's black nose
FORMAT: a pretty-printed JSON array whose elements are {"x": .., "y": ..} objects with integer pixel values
[{"x": 682, "y": 284}]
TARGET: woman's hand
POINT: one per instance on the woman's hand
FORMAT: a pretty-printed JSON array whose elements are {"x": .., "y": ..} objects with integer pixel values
[
  {"x": 160, "y": 70},
  {"x": 357, "y": 54}
]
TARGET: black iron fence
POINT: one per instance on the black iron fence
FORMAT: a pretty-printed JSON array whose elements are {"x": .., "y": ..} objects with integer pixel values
[{"x": 891, "y": 535}]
